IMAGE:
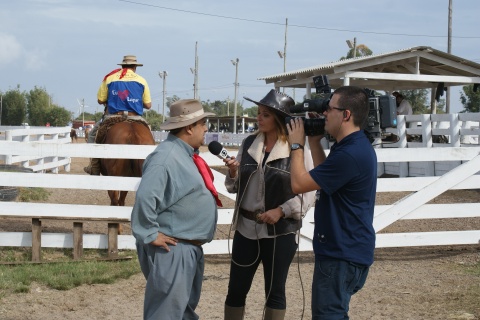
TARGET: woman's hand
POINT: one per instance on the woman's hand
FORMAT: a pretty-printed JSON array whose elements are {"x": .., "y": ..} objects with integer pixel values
[
  {"x": 232, "y": 165},
  {"x": 271, "y": 216}
]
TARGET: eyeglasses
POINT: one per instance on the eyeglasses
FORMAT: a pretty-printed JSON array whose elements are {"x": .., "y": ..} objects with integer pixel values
[{"x": 329, "y": 108}]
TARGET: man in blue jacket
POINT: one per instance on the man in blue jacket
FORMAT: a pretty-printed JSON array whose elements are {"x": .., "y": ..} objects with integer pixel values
[{"x": 175, "y": 212}]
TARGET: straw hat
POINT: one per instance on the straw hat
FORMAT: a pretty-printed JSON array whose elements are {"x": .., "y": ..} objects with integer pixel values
[
  {"x": 130, "y": 60},
  {"x": 183, "y": 113}
]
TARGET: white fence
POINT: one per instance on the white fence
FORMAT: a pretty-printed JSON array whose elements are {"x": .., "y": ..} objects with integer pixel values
[
  {"x": 413, "y": 207},
  {"x": 461, "y": 130},
  {"x": 56, "y": 135}
]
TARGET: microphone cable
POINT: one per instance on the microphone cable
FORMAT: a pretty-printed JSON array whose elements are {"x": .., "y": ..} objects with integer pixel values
[{"x": 236, "y": 209}]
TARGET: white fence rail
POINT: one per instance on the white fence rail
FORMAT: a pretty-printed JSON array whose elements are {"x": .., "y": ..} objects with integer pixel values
[
  {"x": 413, "y": 207},
  {"x": 461, "y": 130},
  {"x": 55, "y": 135}
]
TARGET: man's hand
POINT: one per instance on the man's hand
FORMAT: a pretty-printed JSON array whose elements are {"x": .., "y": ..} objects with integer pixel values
[
  {"x": 163, "y": 241},
  {"x": 296, "y": 132}
]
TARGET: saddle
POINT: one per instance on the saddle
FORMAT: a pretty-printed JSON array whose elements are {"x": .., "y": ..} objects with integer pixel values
[{"x": 110, "y": 122}]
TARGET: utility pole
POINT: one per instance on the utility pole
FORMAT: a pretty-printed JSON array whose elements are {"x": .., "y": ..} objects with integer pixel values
[
  {"x": 235, "y": 63},
  {"x": 283, "y": 55},
  {"x": 228, "y": 106},
  {"x": 83, "y": 113},
  {"x": 1, "y": 108},
  {"x": 449, "y": 48},
  {"x": 195, "y": 79},
  {"x": 163, "y": 75}
]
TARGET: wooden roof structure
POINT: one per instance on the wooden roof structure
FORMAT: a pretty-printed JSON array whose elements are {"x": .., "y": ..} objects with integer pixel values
[{"x": 413, "y": 68}]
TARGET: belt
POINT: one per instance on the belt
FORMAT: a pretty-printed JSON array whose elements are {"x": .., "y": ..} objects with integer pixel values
[
  {"x": 197, "y": 243},
  {"x": 127, "y": 113},
  {"x": 250, "y": 215}
]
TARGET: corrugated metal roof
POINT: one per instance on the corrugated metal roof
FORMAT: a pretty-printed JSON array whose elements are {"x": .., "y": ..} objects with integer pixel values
[{"x": 331, "y": 65}]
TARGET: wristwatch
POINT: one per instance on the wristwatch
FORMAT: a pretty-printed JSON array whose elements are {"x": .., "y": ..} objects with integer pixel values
[{"x": 296, "y": 146}]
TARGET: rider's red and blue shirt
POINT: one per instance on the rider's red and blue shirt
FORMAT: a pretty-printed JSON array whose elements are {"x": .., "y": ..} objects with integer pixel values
[{"x": 124, "y": 90}]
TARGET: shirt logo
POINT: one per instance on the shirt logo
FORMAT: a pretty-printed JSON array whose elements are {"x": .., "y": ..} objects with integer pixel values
[{"x": 123, "y": 94}]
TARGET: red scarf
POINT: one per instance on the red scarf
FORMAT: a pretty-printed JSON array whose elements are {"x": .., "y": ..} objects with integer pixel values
[
  {"x": 124, "y": 72},
  {"x": 207, "y": 176}
]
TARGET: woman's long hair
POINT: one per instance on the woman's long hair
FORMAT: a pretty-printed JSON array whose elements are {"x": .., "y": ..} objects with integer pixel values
[{"x": 280, "y": 127}]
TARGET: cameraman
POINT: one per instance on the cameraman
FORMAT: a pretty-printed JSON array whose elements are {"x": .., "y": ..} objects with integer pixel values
[{"x": 346, "y": 180}]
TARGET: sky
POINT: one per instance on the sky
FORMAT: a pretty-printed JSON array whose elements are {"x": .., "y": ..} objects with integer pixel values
[{"x": 68, "y": 46}]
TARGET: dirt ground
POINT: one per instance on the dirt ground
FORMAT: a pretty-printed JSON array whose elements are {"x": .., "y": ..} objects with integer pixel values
[{"x": 404, "y": 283}]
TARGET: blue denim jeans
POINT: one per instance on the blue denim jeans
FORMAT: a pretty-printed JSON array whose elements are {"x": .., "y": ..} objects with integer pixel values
[{"x": 334, "y": 283}]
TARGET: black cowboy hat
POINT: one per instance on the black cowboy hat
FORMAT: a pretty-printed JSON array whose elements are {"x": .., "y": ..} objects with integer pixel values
[{"x": 278, "y": 101}]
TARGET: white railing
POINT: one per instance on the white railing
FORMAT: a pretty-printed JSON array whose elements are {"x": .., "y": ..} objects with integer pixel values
[
  {"x": 461, "y": 130},
  {"x": 413, "y": 207},
  {"x": 56, "y": 135}
]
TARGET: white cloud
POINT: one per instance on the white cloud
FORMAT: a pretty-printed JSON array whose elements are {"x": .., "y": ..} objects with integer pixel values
[
  {"x": 35, "y": 59},
  {"x": 10, "y": 50}
]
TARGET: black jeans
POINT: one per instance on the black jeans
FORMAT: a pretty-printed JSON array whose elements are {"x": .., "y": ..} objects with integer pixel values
[{"x": 276, "y": 255}]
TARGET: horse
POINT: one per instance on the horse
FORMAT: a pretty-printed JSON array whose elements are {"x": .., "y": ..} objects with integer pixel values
[
  {"x": 73, "y": 135},
  {"x": 87, "y": 131},
  {"x": 126, "y": 132}
]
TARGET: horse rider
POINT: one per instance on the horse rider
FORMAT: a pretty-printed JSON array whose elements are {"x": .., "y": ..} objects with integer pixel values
[{"x": 124, "y": 93}]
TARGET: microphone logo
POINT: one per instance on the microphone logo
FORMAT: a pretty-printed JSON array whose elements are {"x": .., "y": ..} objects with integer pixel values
[{"x": 224, "y": 154}]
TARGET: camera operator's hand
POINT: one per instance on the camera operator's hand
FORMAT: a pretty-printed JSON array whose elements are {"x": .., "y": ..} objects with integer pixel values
[
  {"x": 314, "y": 115},
  {"x": 296, "y": 131}
]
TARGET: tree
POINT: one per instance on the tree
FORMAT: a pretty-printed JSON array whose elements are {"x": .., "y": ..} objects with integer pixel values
[
  {"x": 218, "y": 107},
  {"x": 38, "y": 103},
  {"x": 89, "y": 116},
  {"x": 154, "y": 119},
  {"x": 57, "y": 116},
  {"x": 222, "y": 107},
  {"x": 361, "y": 50},
  {"x": 418, "y": 100},
  {"x": 470, "y": 99},
  {"x": 14, "y": 108},
  {"x": 251, "y": 112}
]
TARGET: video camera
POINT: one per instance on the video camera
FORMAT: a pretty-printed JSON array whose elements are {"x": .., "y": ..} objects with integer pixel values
[
  {"x": 382, "y": 112},
  {"x": 316, "y": 126}
]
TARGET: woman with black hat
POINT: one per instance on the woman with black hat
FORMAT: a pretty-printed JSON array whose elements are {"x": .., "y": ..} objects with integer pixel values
[{"x": 268, "y": 215}]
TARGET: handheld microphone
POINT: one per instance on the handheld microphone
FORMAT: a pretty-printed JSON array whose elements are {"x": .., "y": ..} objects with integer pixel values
[{"x": 216, "y": 148}]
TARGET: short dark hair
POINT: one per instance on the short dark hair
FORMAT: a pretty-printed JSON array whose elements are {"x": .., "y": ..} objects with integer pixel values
[
  {"x": 177, "y": 130},
  {"x": 355, "y": 100}
]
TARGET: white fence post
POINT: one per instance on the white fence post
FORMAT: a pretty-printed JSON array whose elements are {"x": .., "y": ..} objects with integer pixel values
[{"x": 402, "y": 143}]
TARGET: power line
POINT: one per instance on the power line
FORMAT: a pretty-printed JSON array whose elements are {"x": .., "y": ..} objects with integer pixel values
[
  {"x": 207, "y": 89},
  {"x": 296, "y": 25}
]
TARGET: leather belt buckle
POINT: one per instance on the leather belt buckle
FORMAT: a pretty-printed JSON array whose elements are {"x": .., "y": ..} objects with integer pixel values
[{"x": 255, "y": 216}]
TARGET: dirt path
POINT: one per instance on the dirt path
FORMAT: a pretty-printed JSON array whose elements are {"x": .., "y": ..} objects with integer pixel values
[{"x": 404, "y": 283}]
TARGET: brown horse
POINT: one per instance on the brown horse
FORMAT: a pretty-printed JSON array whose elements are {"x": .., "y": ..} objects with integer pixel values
[
  {"x": 73, "y": 135},
  {"x": 87, "y": 131},
  {"x": 127, "y": 132}
]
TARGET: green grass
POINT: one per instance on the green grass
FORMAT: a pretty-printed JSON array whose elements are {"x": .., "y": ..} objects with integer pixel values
[
  {"x": 33, "y": 194},
  {"x": 65, "y": 273},
  {"x": 475, "y": 269}
]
